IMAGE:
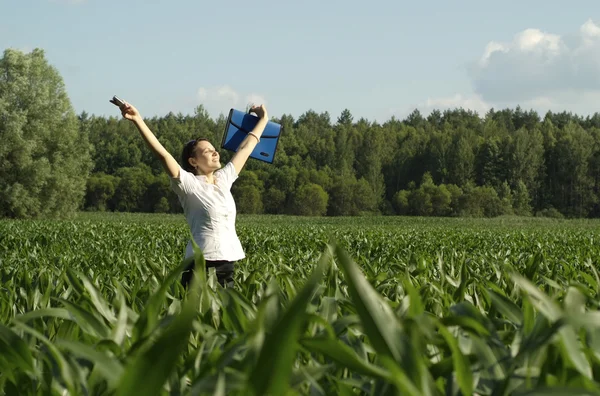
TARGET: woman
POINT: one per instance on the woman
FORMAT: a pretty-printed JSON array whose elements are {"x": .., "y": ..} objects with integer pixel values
[{"x": 204, "y": 191}]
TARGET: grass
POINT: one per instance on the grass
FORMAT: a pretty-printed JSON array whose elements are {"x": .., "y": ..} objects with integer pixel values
[{"x": 373, "y": 305}]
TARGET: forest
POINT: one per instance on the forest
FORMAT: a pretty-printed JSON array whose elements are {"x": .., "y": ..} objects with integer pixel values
[
  {"x": 54, "y": 162},
  {"x": 450, "y": 163}
]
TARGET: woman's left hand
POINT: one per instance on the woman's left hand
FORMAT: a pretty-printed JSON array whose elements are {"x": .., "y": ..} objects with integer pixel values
[{"x": 260, "y": 111}]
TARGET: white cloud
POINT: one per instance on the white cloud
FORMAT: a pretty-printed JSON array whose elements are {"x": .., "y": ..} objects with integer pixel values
[
  {"x": 220, "y": 99},
  {"x": 222, "y": 93},
  {"x": 255, "y": 99},
  {"x": 590, "y": 31},
  {"x": 489, "y": 50},
  {"x": 578, "y": 103},
  {"x": 457, "y": 101},
  {"x": 536, "y": 70},
  {"x": 539, "y": 64},
  {"x": 472, "y": 102}
]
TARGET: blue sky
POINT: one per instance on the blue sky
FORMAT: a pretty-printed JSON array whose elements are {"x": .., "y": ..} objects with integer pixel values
[{"x": 378, "y": 58}]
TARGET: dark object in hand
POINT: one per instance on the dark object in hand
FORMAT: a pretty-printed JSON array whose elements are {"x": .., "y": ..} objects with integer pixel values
[{"x": 117, "y": 101}]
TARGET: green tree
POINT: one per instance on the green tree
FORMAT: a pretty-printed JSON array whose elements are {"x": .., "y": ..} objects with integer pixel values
[
  {"x": 439, "y": 152},
  {"x": 351, "y": 197},
  {"x": 310, "y": 200},
  {"x": 594, "y": 167},
  {"x": 344, "y": 154},
  {"x": 274, "y": 201},
  {"x": 521, "y": 200},
  {"x": 369, "y": 159},
  {"x": 407, "y": 164},
  {"x": 44, "y": 159},
  {"x": 132, "y": 189},
  {"x": 462, "y": 159},
  {"x": 100, "y": 191},
  {"x": 158, "y": 192},
  {"x": 440, "y": 200},
  {"x": 549, "y": 169},
  {"x": 489, "y": 164},
  {"x": 506, "y": 197},
  {"x": 527, "y": 156},
  {"x": 247, "y": 192},
  {"x": 248, "y": 199},
  {"x": 400, "y": 202},
  {"x": 465, "y": 164},
  {"x": 479, "y": 201},
  {"x": 456, "y": 194}
]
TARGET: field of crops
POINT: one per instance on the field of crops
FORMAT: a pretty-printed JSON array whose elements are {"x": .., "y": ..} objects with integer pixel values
[{"x": 372, "y": 306}]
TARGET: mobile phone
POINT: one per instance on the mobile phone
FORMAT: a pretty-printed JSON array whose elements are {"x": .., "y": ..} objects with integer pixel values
[{"x": 117, "y": 101}]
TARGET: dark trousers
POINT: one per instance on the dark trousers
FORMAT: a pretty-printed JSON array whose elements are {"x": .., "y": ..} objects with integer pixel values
[{"x": 224, "y": 271}]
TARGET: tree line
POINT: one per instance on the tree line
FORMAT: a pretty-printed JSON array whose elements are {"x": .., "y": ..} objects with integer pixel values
[{"x": 450, "y": 163}]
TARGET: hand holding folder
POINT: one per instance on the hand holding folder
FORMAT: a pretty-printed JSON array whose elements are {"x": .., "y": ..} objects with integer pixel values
[{"x": 239, "y": 124}]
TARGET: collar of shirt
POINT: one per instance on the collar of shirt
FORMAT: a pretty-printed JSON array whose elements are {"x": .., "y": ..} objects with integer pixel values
[{"x": 204, "y": 178}]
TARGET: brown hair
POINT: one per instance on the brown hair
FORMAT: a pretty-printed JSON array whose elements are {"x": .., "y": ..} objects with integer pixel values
[{"x": 187, "y": 153}]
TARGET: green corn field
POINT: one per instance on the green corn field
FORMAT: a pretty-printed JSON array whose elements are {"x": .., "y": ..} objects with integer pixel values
[{"x": 321, "y": 306}]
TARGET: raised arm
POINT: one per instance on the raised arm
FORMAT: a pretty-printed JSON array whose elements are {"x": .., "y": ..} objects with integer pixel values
[
  {"x": 243, "y": 153},
  {"x": 168, "y": 162}
]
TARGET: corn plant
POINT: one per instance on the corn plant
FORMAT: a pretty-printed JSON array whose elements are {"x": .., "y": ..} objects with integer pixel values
[{"x": 320, "y": 306}]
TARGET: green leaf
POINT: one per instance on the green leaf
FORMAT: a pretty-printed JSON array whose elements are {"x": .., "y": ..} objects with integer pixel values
[
  {"x": 552, "y": 311},
  {"x": 235, "y": 382},
  {"x": 343, "y": 355},
  {"x": 120, "y": 328},
  {"x": 574, "y": 301},
  {"x": 148, "y": 371},
  {"x": 380, "y": 324},
  {"x": 532, "y": 266},
  {"x": 66, "y": 372},
  {"x": 97, "y": 299},
  {"x": 506, "y": 307},
  {"x": 308, "y": 374},
  {"x": 270, "y": 374},
  {"x": 573, "y": 352},
  {"x": 459, "y": 293},
  {"x": 87, "y": 320},
  {"x": 589, "y": 320},
  {"x": 541, "y": 301},
  {"x": 60, "y": 313},
  {"x": 111, "y": 368},
  {"x": 148, "y": 318},
  {"x": 556, "y": 391},
  {"x": 17, "y": 350},
  {"x": 416, "y": 304},
  {"x": 377, "y": 317},
  {"x": 466, "y": 323},
  {"x": 464, "y": 377}
]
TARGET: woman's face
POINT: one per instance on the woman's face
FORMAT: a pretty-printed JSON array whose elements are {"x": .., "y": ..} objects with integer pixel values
[{"x": 206, "y": 159}]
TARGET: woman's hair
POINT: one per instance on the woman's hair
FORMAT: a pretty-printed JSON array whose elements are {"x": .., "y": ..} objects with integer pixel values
[{"x": 187, "y": 153}]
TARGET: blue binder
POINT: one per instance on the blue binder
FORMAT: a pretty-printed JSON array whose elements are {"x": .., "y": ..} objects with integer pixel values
[{"x": 238, "y": 125}]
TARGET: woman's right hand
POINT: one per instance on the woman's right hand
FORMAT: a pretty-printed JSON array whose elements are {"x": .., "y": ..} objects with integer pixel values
[{"x": 130, "y": 112}]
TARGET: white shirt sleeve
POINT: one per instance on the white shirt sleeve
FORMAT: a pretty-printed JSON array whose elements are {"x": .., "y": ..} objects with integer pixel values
[
  {"x": 227, "y": 175},
  {"x": 183, "y": 184}
]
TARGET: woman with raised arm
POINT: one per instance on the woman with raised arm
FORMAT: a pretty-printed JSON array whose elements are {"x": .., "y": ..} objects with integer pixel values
[{"x": 204, "y": 191}]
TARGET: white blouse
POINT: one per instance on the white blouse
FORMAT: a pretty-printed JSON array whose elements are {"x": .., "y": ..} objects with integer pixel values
[{"x": 210, "y": 212}]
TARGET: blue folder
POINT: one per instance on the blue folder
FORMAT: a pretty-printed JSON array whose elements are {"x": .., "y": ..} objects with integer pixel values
[{"x": 239, "y": 123}]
